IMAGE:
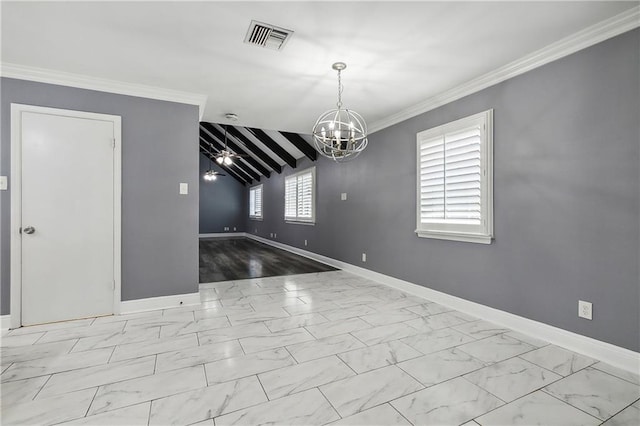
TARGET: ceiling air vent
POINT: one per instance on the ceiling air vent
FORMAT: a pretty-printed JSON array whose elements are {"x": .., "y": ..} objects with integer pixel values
[{"x": 266, "y": 35}]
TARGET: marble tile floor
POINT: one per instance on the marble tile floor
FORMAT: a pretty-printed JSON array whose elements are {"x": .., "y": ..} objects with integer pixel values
[{"x": 311, "y": 349}]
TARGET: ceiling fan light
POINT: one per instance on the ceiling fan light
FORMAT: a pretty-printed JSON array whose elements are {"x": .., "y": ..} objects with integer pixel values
[
  {"x": 228, "y": 161},
  {"x": 219, "y": 160}
]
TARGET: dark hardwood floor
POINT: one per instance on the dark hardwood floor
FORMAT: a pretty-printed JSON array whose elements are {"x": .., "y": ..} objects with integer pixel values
[{"x": 224, "y": 259}]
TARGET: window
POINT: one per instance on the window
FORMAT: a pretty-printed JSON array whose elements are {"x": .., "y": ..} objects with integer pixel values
[
  {"x": 455, "y": 187},
  {"x": 255, "y": 202},
  {"x": 299, "y": 196}
]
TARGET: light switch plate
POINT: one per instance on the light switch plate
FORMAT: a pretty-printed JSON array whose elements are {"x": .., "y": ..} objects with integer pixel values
[
  {"x": 3, "y": 183},
  {"x": 184, "y": 188},
  {"x": 343, "y": 196}
]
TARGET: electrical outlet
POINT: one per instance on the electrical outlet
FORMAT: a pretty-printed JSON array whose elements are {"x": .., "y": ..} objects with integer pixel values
[
  {"x": 275, "y": 235},
  {"x": 234, "y": 228},
  {"x": 226, "y": 228},
  {"x": 305, "y": 243},
  {"x": 585, "y": 310},
  {"x": 3, "y": 183},
  {"x": 271, "y": 235},
  {"x": 364, "y": 257},
  {"x": 343, "y": 196}
]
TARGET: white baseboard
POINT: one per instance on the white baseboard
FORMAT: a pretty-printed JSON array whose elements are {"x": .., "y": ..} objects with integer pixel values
[
  {"x": 611, "y": 354},
  {"x": 5, "y": 322},
  {"x": 222, "y": 235},
  {"x": 162, "y": 302}
]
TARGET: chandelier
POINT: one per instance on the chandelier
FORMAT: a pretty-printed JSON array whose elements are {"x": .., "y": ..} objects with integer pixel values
[{"x": 340, "y": 134}]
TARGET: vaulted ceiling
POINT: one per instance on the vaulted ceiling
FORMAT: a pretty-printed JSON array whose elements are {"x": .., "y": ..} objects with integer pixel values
[
  {"x": 262, "y": 152},
  {"x": 398, "y": 53}
]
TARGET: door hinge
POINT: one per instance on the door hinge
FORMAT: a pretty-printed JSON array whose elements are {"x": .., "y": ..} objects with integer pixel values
[{"x": 113, "y": 143}]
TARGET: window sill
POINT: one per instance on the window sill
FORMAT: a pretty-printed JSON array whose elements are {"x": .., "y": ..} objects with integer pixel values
[
  {"x": 299, "y": 222},
  {"x": 255, "y": 218},
  {"x": 456, "y": 236}
]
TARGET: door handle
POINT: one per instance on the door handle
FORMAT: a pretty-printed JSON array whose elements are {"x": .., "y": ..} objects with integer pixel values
[{"x": 29, "y": 230}]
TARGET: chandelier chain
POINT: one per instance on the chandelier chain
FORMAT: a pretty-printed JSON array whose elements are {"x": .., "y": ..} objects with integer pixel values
[{"x": 340, "y": 88}]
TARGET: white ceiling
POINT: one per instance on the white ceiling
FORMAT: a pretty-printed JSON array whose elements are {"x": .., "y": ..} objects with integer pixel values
[{"x": 398, "y": 54}]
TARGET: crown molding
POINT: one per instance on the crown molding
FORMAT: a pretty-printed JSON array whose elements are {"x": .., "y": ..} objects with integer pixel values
[
  {"x": 43, "y": 75},
  {"x": 616, "y": 25}
]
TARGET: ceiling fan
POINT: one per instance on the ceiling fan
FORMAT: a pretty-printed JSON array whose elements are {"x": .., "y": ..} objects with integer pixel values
[
  {"x": 211, "y": 175},
  {"x": 226, "y": 156}
]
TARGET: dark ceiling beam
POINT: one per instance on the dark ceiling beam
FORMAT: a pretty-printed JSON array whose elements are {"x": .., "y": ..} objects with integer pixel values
[
  {"x": 234, "y": 171},
  {"x": 219, "y": 147},
  {"x": 263, "y": 156},
  {"x": 273, "y": 146},
  {"x": 301, "y": 144},
  {"x": 254, "y": 163}
]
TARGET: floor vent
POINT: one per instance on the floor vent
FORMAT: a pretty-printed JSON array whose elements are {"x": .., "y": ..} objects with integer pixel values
[{"x": 267, "y": 36}]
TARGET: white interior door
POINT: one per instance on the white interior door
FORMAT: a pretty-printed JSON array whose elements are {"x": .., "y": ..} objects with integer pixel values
[{"x": 67, "y": 217}]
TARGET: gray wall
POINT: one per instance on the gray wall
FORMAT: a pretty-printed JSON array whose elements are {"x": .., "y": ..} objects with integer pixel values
[
  {"x": 222, "y": 202},
  {"x": 566, "y": 199},
  {"x": 159, "y": 150}
]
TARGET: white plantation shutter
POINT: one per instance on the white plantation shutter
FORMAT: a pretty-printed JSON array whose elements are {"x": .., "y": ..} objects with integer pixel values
[
  {"x": 454, "y": 194},
  {"x": 432, "y": 179},
  {"x": 450, "y": 178},
  {"x": 462, "y": 176},
  {"x": 305, "y": 196},
  {"x": 255, "y": 202},
  {"x": 290, "y": 197},
  {"x": 299, "y": 196},
  {"x": 258, "y": 210}
]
